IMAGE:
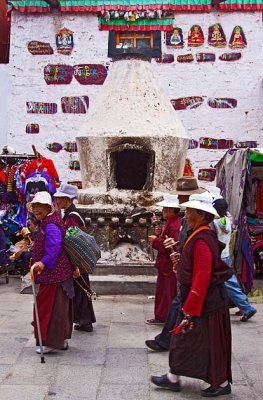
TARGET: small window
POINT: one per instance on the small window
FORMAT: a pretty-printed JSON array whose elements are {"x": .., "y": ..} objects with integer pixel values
[
  {"x": 137, "y": 40},
  {"x": 146, "y": 44}
]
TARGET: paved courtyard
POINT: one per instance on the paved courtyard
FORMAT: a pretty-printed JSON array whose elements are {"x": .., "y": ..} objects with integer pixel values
[{"x": 112, "y": 362}]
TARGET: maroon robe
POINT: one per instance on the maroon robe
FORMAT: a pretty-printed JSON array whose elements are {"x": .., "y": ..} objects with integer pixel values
[{"x": 166, "y": 279}]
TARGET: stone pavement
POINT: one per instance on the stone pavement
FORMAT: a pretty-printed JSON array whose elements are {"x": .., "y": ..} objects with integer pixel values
[{"x": 111, "y": 362}]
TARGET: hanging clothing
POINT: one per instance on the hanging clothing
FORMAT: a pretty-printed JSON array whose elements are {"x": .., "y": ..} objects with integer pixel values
[
  {"x": 37, "y": 182},
  {"x": 40, "y": 165},
  {"x": 166, "y": 279}
]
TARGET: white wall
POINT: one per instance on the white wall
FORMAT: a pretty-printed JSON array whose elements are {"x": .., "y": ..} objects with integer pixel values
[
  {"x": 4, "y": 79},
  {"x": 241, "y": 80}
]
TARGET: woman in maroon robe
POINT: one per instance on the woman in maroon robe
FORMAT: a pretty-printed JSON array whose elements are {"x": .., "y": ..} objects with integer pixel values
[
  {"x": 201, "y": 345},
  {"x": 53, "y": 271},
  {"x": 166, "y": 278}
]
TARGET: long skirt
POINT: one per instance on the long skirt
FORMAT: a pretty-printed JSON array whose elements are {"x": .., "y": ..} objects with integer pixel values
[
  {"x": 205, "y": 351},
  {"x": 83, "y": 308},
  {"x": 55, "y": 311},
  {"x": 165, "y": 292}
]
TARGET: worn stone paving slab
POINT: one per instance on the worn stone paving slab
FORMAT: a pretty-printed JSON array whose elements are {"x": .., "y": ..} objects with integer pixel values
[
  {"x": 126, "y": 365},
  {"x": 77, "y": 381},
  {"x": 124, "y": 392},
  {"x": 112, "y": 362},
  {"x": 23, "y": 392},
  {"x": 126, "y": 335}
]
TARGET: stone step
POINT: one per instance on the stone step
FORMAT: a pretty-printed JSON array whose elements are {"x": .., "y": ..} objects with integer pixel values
[
  {"x": 125, "y": 269},
  {"x": 123, "y": 284}
]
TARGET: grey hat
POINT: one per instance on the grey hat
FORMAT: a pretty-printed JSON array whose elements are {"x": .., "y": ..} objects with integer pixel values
[{"x": 66, "y": 190}]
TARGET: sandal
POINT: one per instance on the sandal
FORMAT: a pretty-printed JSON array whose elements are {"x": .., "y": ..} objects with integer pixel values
[{"x": 154, "y": 321}]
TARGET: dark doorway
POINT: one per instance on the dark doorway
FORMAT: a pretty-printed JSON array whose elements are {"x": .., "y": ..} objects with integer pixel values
[{"x": 131, "y": 169}]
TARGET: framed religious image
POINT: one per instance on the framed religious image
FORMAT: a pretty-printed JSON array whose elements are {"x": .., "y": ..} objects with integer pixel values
[
  {"x": 175, "y": 38},
  {"x": 237, "y": 39},
  {"x": 196, "y": 36},
  {"x": 216, "y": 36}
]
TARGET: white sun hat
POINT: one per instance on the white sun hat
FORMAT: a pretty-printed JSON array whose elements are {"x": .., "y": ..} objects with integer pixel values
[
  {"x": 202, "y": 201},
  {"x": 66, "y": 190},
  {"x": 169, "y": 200},
  {"x": 41, "y": 198},
  {"x": 214, "y": 192}
]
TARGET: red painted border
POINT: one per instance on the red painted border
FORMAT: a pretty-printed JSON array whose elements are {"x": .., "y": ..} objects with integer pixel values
[{"x": 240, "y": 7}]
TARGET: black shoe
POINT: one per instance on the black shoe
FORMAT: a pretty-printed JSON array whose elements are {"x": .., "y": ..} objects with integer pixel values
[
  {"x": 246, "y": 317},
  {"x": 153, "y": 345},
  {"x": 163, "y": 382},
  {"x": 214, "y": 392},
  {"x": 84, "y": 328}
]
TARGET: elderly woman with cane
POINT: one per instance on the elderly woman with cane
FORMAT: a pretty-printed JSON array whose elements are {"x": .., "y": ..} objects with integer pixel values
[
  {"x": 201, "y": 345},
  {"x": 53, "y": 271}
]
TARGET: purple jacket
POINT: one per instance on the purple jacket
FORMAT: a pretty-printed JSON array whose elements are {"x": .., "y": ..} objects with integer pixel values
[{"x": 48, "y": 249}]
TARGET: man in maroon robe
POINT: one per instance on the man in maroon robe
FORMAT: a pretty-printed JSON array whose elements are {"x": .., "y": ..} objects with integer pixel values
[{"x": 166, "y": 278}]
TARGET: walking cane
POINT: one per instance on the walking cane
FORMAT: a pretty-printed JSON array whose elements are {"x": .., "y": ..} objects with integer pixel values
[{"x": 36, "y": 314}]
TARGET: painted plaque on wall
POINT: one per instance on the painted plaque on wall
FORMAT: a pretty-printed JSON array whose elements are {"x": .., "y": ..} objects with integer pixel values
[
  {"x": 74, "y": 165},
  {"x": 34, "y": 107},
  {"x": 185, "y": 58},
  {"x": 59, "y": 74},
  {"x": 230, "y": 56},
  {"x": 175, "y": 38},
  {"x": 90, "y": 74},
  {"x": 54, "y": 147},
  {"x": 192, "y": 144},
  {"x": 222, "y": 102},
  {"x": 39, "y": 48},
  {"x": 165, "y": 59},
  {"x": 76, "y": 183},
  {"x": 70, "y": 147},
  {"x": 75, "y": 105},
  {"x": 196, "y": 36},
  {"x": 64, "y": 41},
  {"x": 207, "y": 174},
  {"x": 32, "y": 128},
  {"x": 187, "y": 103},
  {"x": 247, "y": 143},
  {"x": 216, "y": 36},
  {"x": 215, "y": 144},
  {"x": 205, "y": 57}
]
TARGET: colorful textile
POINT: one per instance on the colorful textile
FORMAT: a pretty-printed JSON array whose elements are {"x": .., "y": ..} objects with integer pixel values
[
  {"x": 101, "y": 5},
  {"x": 241, "y": 5},
  {"x": 82, "y": 249},
  {"x": 162, "y": 24}
]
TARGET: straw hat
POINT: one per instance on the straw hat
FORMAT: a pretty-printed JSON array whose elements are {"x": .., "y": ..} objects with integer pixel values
[
  {"x": 169, "y": 200},
  {"x": 187, "y": 185},
  {"x": 41, "y": 198},
  {"x": 66, "y": 190},
  {"x": 202, "y": 201}
]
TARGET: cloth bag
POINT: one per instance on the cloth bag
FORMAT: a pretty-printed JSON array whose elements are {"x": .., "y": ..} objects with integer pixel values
[{"x": 82, "y": 249}]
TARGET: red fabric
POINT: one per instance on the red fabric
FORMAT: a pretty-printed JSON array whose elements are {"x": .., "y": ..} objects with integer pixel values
[
  {"x": 3, "y": 176},
  {"x": 72, "y": 221},
  {"x": 43, "y": 165},
  {"x": 202, "y": 269},
  {"x": 45, "y": 303},
  {"x": 166, "y": 279}
]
